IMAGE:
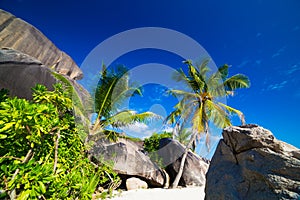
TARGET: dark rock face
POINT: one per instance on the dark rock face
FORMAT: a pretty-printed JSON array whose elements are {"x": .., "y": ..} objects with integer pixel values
[
  {"x": 20, "y": 72},
  {"x": 250, "y": 163},
  {"x": 129, "y": 160},
  {"x": 19, "y": 35},
  {"x": 195, "y": 168}
]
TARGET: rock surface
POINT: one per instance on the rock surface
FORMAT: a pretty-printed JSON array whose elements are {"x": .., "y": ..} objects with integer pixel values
[
  {"x": 19, "y": 35},
  {"x": 129, "y": 160},
  {"x": 195, "y": 168},
  {"x": 20, "y": 72},
  {"x": 250, "y": 163},
  {"x": 135, "y": 183}
]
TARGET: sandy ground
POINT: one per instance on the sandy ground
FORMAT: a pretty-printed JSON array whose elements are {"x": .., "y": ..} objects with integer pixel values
[{"x": 164, "y": 194}]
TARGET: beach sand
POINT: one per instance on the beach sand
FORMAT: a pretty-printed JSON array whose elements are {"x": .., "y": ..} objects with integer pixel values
[{"x": 162, "y": 194}]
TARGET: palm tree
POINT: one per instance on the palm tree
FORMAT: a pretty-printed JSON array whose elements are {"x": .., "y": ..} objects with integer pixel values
[
  {"x": 183, "y": 136},
  {"x": 201, "y": 105},
  {"x": 112, "y": 90}
]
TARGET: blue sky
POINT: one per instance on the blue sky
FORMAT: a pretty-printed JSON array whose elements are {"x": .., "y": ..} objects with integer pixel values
[{"x": 259, "y": 38}]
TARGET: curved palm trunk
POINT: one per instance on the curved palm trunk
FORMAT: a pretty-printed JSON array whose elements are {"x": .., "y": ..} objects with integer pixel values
[{"x": 180, "y": 171}]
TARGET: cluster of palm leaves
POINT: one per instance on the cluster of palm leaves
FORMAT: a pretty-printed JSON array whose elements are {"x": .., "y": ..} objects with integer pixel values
[
  {"x": 112, "y": 90},
  {"x": 201, "y": 104}
]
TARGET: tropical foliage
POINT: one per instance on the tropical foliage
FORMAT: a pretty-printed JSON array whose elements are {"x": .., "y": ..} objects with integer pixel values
[
  {"x": 183, "y": 136},
  {"x": 201, "y": 104},
  {"x": 113, "y": 89},
  {"x": 151, "y": 146},
  {"x": 41, "y": 153}
]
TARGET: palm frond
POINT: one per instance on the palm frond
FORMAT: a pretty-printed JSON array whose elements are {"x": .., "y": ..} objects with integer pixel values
[
  {"x": 203, "y": 67},
  {"x": 223, "y": 71},
  {"x": 236, "y": 82},
  {"x": 215, "y": 113},
  {"x": 112, "y": 90},
  {"x": 179, "y": 76},
  {"x": 235, "y": 111},
  {"x": 128, "y": 117},
  {"x": 197, "y": 80},
  {"x": 215, "y": 82},
  {"x": 183, "y": 136},
  {"x": 103, "y": 99},
  {"x": 146, "y": 117},
  {"x": 111, "y": 135},
  {"x": 119, "y": 96},
  {"x": 183, "y": 93},
  {"x": 172, "y": 118}
]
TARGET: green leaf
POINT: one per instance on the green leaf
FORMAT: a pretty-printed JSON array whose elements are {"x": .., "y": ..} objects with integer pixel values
[
  {"x": 24, "y": 195},
  {"x": 7, "y": 126},
  {"x": 3, "y": 136},
  {"x": 236, "y": 82},
  {"x": 42, "y": 187},
  {"x": 233, "y": 110}
]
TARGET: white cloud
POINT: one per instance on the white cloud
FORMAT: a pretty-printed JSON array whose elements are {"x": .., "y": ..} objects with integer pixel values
[
  {"x": 293, "y": 69},
  {"x": 243, "y": 63},
  {"x": 277, "y": 86},
  {"x": 279, "y": 52},
  {"x": 139, "y": 130},
  {"x": 136, "y": 127}
]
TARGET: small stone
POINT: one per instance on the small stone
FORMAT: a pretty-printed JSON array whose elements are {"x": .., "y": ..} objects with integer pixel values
[{"x": 135, "y": 183}]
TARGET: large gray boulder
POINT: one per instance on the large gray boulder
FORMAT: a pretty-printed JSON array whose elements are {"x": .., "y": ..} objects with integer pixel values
[
  {"x": 19, "y": 73},
  {"x": 195, "y": 168},
  {"x": 250, "y": 163},
  {"x": 19, "y": 35},
  {"x": 128, "y": 160}
]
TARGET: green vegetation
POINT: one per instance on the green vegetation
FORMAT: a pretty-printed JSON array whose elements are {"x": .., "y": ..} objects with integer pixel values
[
  {"x": 133, "y": 139},
  {"x": 41, "y": 153},
  {"x": 201, "y": 105},
  {"x": 151, "y": 144},
  {"x": 183, "y": 137},
  {"x": 112, "y": 90}
]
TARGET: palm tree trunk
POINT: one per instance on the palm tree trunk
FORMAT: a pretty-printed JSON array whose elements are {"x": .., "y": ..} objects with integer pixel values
[{"x": 180, "y": 171}]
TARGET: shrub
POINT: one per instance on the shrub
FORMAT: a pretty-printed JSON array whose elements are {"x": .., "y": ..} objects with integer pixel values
[
  {"x": 151, "y": 145},
  {"x": 41, "y": 153}
]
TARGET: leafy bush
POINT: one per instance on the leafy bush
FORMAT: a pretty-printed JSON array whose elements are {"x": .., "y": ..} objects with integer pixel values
[
  {"x": 41, "y": 153},
  {"x": 151, "y": 144}
]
